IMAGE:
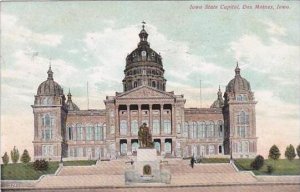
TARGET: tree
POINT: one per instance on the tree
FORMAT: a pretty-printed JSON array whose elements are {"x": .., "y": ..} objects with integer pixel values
[
  {"x": 258, "y": 162},
  {"x": 290, "y": 152},
  {"x": 274, "y": 153},
  {"x": 298, "y": 151},
  {"x": 40, "y": 165},
  {"x": 5, "y": 158},
  {"x": 25, "y": 158},
  {"x": 14, "y": 154}
]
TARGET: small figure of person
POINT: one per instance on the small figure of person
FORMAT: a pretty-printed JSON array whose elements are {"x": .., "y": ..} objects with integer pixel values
[
  {"x": 192, "y": 161},
  {"x": 131, "y": 162}
]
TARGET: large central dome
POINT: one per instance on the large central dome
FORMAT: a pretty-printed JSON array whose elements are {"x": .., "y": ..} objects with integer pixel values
[{"x": 144, "y": 66}]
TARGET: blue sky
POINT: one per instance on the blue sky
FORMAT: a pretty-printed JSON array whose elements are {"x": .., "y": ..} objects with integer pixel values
[{"x": 89, "y": 41}]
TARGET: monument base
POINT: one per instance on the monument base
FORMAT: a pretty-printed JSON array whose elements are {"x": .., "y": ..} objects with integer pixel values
[{"x": 147, "y": 169}]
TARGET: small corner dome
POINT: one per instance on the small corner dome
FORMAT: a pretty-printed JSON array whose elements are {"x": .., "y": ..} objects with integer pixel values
[
  {"x": 49, "y": 87},
  {"x": 238, "y": 83},
  {"x": 71, "y": 106}
]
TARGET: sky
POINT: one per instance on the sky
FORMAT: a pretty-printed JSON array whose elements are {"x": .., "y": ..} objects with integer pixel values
[{"x": 89, "y": 41}]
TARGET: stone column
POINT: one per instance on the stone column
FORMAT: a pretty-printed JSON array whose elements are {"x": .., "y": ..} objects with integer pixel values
[
  {"x": 150, "y": 118},
  {"x": 162, "y": 147},
  {"x": 173, "y": 120},
  {"x": 117, "y": 128},
  {"x": 128, "y": 121},
  {"x": 173, "y": 147},
  {"x": 161, "y": 119},
  {"x": 129, "y": 147},
  {"x": 139, "y": 115}
]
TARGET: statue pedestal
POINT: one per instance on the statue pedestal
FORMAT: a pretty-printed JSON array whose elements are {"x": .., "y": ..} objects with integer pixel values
[{"x": 147, "y": 169}]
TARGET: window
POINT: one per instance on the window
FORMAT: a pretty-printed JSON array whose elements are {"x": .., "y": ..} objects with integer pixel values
[
  {"x": 157, "y": 146},
  {"x": 134, "y": 146},
  {"x": 192, "y": 130},
  {"x": 153, "y": 84},
  {"x": 156, "y": 127},
  {"x": 210, "y": 129},
  {"x": 47, "y": 124},
  {"x": 239, "y": 146},
  {"x": 79, "y": 152},
  {"x": 167, "y": 126},
  {"x": 242, "y": 97},
  {"x": 220, "y": 128},
  {"x": 211, "y": 150},
  {"x": 185, "y": 129},
  {"x": 134, "y": 127},
  {"x": 79, "y": 132},
  {"x": 135, "y": 84},
  {"x": 242, "y": 124},
  {"x": 70, "y": 133},
  {"x": 220, "y": 149},
  {"x": 89, "y": 133},
  {"x": 168, "y": 147},
  {"x": 47, "y": 150},
  {"x": 123, "y": 127},
  {"x": 47, "y": 121},
  {"x": 98, "y": 132},
  {"x": 178, "y": 128},
  {"x": 201, "y": 129},
  {"x": 245, "y": 147}
]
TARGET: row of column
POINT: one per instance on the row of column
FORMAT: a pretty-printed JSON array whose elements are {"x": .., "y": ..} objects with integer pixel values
[{"x": 173, "y": 127}]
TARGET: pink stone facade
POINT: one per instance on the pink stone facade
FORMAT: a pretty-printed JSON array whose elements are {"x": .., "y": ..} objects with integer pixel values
[{"x": 62, "y": 130}]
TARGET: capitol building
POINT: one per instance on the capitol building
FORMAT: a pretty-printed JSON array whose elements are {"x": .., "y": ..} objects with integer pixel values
[{"x": 226, "y": 129}]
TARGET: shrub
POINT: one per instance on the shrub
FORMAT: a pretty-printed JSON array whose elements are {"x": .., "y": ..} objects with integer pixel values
[
  {"x": 270, "y": 169},
  {"x": 290, "y": 152},
  {"x": 14, "y": 154},
  {"x": 274, "y": 153},
  {"x": 40, "y": 165},
  {"x": 298, "y": 150},
  {"x": 258, "y": 162},
  {"x": 5, "y": 158},
  {"x": 25, "y": 158}
]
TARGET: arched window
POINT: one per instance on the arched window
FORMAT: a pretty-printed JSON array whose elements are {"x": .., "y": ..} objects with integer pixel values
[
  {"x": 201, "y": 129},
  {"x": 123, "y": 127},
  {"x": 210, "y": 129},
  {"x": 153, "y": 84},
  {"x": 134, "y": 84},
  {"x": 134, "y": 127}
]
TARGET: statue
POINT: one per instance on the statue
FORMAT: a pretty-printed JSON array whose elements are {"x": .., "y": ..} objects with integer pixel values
[{"x": 145, "y": 138}]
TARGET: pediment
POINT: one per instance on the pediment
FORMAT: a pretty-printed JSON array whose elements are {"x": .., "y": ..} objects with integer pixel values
[{"x": 145, "y": 92}]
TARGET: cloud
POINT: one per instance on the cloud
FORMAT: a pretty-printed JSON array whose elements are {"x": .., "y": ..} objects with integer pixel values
[
  {"x": 12, "y": 31},
  {"x": 109, "y": 48},
  {"x": 274, "y": 29}
]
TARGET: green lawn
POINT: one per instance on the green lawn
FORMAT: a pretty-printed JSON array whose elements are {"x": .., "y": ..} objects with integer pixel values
[
  {"x": 281, "y": 166},
  {"x": 21, "y": 171},
  {"x": 214, "y": 160},
  {"x": 80, "y": 163}
]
